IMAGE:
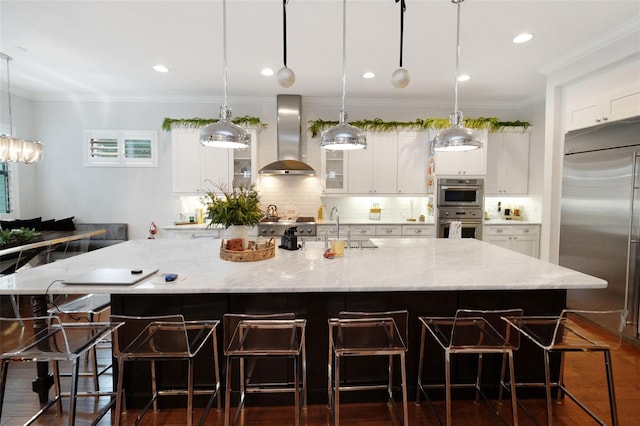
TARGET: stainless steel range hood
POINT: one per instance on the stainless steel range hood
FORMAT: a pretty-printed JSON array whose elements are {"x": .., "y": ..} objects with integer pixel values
[{"x": 289, "y": 140}]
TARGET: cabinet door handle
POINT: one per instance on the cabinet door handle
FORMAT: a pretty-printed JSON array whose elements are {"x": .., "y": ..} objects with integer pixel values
[{"x": 418, "y": 231}]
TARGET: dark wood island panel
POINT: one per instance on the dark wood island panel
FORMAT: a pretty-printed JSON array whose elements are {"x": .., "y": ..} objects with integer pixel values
[{"x": 317, "y": 308}]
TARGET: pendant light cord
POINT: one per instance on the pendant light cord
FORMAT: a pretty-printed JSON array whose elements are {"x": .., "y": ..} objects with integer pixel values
[
  {"x": 455, "y": 106},
  {"x": 7, "y": 59},
  {"x": 344, "y": 51},
  {"x": 403, "y": 8},
  {"x": 224, "y": 50},
  {"x": 284, "y": 31}
]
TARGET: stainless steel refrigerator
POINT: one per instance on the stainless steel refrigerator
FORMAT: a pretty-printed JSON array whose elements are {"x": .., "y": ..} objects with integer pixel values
[{"x": 600, "y": 218}]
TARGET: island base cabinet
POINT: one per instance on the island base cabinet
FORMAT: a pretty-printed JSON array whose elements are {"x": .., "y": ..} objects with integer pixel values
[{"x": 316, "y": 308}]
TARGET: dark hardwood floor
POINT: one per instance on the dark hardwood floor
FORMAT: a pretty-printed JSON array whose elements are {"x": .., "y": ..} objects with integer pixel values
[{"x": 584, "y": 374}]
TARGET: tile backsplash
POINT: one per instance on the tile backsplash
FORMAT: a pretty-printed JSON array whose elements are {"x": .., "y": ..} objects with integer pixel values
[{"x": 303, "y": 196}]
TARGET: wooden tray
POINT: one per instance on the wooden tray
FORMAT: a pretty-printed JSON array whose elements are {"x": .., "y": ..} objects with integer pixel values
[{"x": 248, "y": 255}]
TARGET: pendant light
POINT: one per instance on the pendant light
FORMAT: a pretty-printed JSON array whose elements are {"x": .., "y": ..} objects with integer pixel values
[
  {"x": 343, "y": 136},
  {"x": 223, "y": 133},
  {"x": 400, "y": 77},
  {"x": 15, "y": 149},
  {"x": 286, "y": 76},
  {"x": 456, "y": 137}
]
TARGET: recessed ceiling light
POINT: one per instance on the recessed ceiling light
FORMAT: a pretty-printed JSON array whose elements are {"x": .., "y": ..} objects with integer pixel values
[
  {"x": 522, "y": 38},
  {"x": 464, "y": 77},
  {"x": 369, "y": 74},
  {"x": 267, "y": 72},
  {"x": 160, "y": 68}
]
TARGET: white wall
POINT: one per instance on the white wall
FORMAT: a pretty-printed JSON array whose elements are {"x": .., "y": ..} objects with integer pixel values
[{"x": 64, "y": 187}]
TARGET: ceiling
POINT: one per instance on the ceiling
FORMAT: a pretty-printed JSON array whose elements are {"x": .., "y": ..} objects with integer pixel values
[{"x": 106, "y": 49}]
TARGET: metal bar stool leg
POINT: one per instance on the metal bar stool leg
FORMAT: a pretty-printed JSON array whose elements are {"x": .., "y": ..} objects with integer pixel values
[
  {"x": 447, "y": 372},
  {"x": 3, "y": 383},
  {"x": 405, "y": 408},
  {"x": 296, "y": 393},
  {"x": 190, "y": 393},
  {"x": 420, "y": 364},
  {"x": 547, "y": 385},
  {"x": 227, "y": 393},
  {"x": 514, "y": 402},
  {"x": 119, "y": 393},
  {"x": 336, "y": 401},
  {"x": 612, "y": 392},
  {"x": 73, "y": 397}
]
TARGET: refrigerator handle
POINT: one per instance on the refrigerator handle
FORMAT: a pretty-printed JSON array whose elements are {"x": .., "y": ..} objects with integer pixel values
[{"x": 632, "y": 293}]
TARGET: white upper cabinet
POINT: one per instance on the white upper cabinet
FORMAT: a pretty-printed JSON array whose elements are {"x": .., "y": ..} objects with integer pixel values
[
  {"x": 610, "y": 96},
  {"x": 507, "y": 163},
  {"x": 463, "y": 163},
  {"x": 196, "y": 169},
  {"x": 334, "y": 171},
  {"x": 373, "y": 170},
  {"x": 412, "y": 162},
  {"x": 393, "y": 163}
]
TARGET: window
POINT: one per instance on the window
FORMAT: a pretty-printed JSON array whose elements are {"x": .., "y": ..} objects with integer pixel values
[
  {"x": 5, "y": 194},
  {"x": 121, "y": 148}
]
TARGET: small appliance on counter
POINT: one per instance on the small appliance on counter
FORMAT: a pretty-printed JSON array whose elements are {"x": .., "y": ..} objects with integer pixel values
[{"x": 289, "y": 241}]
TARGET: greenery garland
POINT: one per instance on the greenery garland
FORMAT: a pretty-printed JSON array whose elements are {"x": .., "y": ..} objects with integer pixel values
[
  {"x": 197, "y": 122},
  {"x": 378, "y": 125}
]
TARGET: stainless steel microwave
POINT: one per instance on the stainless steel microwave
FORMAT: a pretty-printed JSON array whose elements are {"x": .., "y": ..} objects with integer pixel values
[{"x": 467, "y": 193}]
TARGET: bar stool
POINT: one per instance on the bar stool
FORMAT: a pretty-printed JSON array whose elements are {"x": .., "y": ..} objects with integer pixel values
[
  {"x": 367, "y": 334},
  {"x": 164, "y": 338},
  {"x": 48, "y": 339},
  {"x": 571, "y": 332},
  {"x": 470, "y": 332},
  {"x": 254, "y": 337},
  {"x": 87, "y": 308}
]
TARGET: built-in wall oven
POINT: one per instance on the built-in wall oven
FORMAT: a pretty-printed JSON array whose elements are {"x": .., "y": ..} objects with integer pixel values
[
  {"x": 465, "y": 193},
  {"x": 470, "y": 221},
  {"x": 460, "y": 200}
]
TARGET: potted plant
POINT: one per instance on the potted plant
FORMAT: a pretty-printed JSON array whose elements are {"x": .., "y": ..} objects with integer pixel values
[{"x": 235, "y": 209}]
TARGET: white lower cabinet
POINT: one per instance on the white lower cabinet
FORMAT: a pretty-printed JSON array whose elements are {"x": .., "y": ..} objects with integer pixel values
[
  {"x": 388, "y": 231},
  {"x": 365, "y": 232},
  {"x": 524, "y": 239},
  {"x": 418, "y": 231}
]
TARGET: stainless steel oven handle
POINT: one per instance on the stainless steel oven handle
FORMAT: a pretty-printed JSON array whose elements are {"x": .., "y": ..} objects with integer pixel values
[
  {"x": 463, "y": 221},
  {"x": 462, "y": 188}
]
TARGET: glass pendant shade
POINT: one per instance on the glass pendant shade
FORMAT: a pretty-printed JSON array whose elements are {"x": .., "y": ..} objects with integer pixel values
[
  {"x": 343, "y": 136},
  {"x": 223, "y": 133},
  {"x": 456, "y": 137}
]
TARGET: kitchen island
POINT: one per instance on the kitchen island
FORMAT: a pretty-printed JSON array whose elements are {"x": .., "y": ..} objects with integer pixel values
[{"x": 424, "y": 276}]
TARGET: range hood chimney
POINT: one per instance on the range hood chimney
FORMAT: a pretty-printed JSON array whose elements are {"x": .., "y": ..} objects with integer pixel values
[{"x": 289, "y": 107}]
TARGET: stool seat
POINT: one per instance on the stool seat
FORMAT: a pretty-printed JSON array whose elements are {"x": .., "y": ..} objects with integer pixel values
[
  {"x": 49, "y": 340},
  {"x": 570, "y": 332},
  {"x": 87, "y": 308},
  {"x": 358, "y": 334},
  {"x": 477, "y": 332},
  {"x": 254, "y": 337},
  {"x": 165, "y": 338}
]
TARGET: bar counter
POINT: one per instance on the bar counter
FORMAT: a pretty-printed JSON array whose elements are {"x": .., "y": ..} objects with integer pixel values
[{"x": 425, "y": 276}]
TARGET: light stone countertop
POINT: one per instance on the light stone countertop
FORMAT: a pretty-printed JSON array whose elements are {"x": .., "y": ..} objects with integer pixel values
[
  {"x": 509, "y": 222},
  {"x": 434, "y": 264}
]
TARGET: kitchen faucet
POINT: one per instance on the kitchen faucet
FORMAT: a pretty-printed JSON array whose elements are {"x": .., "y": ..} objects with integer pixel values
[{"x": 334, "y": 209}]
